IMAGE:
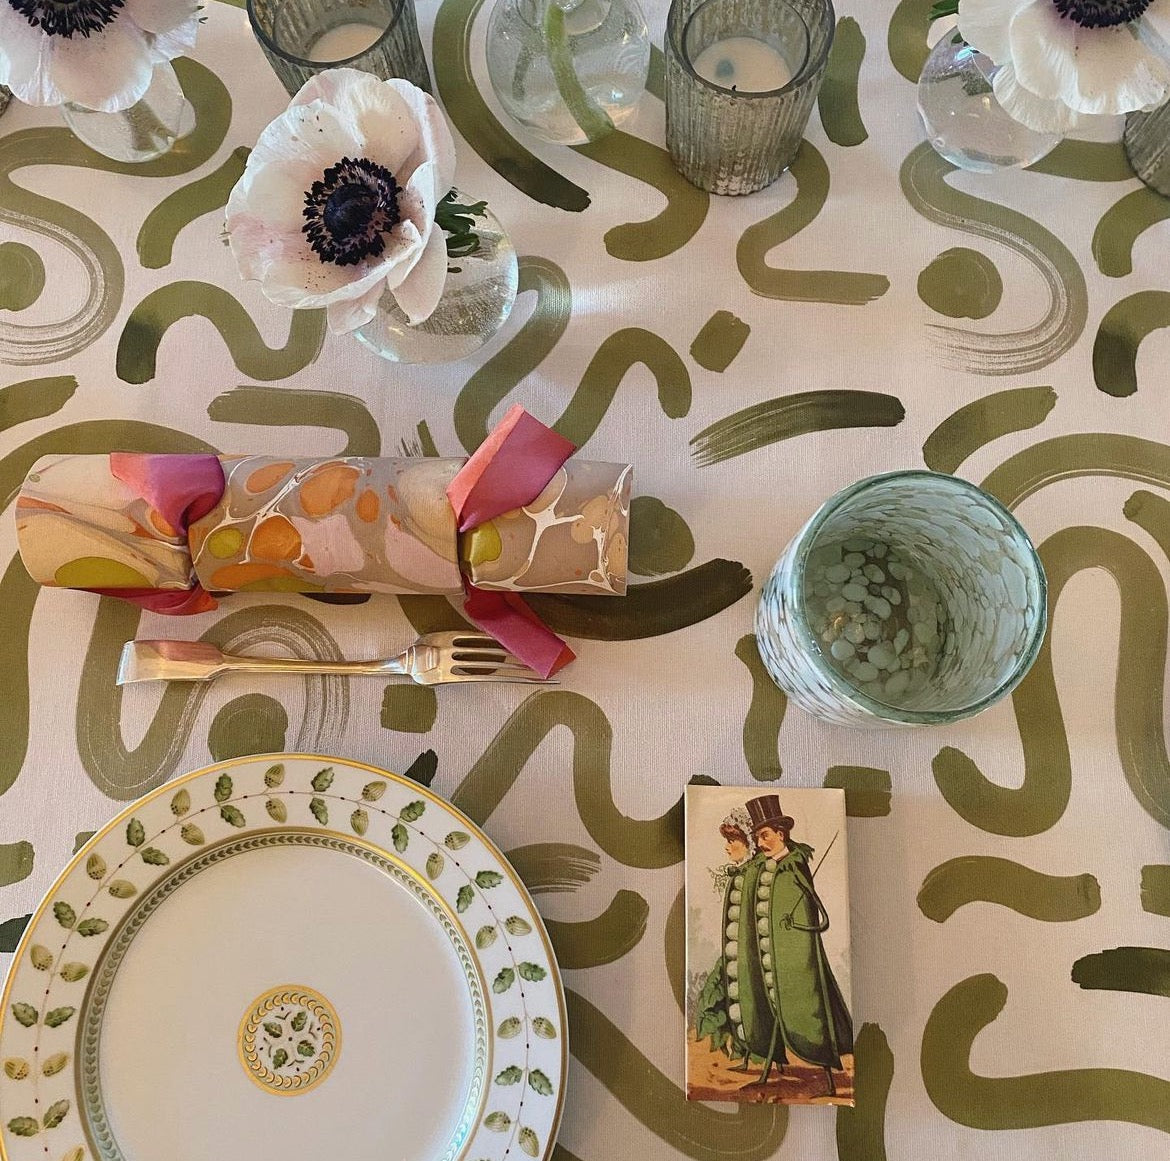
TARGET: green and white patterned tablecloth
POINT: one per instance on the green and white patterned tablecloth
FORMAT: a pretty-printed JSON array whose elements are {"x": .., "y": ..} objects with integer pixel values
[{"x": 872, "y": 310}]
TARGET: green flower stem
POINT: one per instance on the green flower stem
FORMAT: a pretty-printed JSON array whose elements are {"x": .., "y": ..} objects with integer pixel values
[{"x": 592, "y": 120}]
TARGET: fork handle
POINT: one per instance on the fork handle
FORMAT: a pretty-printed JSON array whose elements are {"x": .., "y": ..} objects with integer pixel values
[{"x": 234, "y": 663}]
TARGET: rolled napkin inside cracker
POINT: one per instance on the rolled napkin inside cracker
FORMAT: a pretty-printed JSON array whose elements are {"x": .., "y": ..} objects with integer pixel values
[{"x": 351, "y": 524}]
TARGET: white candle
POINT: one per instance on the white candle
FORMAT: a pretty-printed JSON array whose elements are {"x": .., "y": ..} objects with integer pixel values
[
  {"x": 743, "y": 64},
  {"x": 344, "y": 41}
]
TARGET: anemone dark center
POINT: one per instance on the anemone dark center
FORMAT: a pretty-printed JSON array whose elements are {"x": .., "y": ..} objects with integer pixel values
[
  {"x": 68, "y": 17},
  {"x": 1101, "y": 13},
  {"x": 349, "y": 212}
]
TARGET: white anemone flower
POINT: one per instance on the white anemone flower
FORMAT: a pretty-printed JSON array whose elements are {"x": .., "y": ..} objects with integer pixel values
[
  {"x": 337, "y": 201},
  {"x": 1062, "y": 60},
  {"x": 99, "y": 54}
]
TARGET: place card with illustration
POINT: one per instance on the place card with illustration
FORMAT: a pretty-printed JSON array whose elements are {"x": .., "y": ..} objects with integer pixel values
[{"x": 768, "y": 968}]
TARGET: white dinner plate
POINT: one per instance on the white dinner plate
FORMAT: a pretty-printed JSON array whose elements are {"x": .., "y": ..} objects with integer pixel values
[{"x": 288, "y": 957}]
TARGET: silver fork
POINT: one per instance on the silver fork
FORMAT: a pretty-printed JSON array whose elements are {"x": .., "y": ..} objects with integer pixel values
[{"x": 434, "y": 659}]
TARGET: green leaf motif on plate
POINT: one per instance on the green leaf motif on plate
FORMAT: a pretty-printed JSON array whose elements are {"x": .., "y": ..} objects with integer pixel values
[
  {"x": 529, "y": 1142},
  {"x": 540, "y": 1083},
  {"x": 434, "y": 865},
  {"x": 306, "y": 1048},
  {"x": 273, "y": 1028},
  {"x": 42, "y": 957},
  {"x": 372, "y": 791},
  {"x": 154, "y": 856},
  {"x": 463, "y": 898},
  {"x": 64, "y": 914},
  {"x": 95, "y": 866},
  {"x": 192, "y": 835},
  {"x": 55, "y": 1063},
  {"x": 181, "y": 803},
  {"x": 279, "y": 1058},
  {"x": 319, "y": 810},
  {"x": 55, "y": 1114},
  {"x": 135, "y": 833},
  {"x": 274, "y": 775},
  {"x": 498, "y": 1122},
  {"x": 544, "y": 1028},
  {"x": 532, "y": 972},
  {"x": 72, "y": 972},
  {"x": 92, "y": 927},
  {"x": 517, "y": 926},
  {"x": 510, "y": 1075},
  {"x": 122, "y": 889},
  {"x": 457, "y": 840},
  {"x": 412, "y": 811},
  {"x": 509, "y": 1028},
  {"x": 23, "y": 1127},
  {"x": 276, "y": 809},
  {"x": 485, "y": 937},
  {"x": 58, "y": 1016},
  {"x": 400, "y": 837},
  {"x": 300, "y": 1020},
  {"x": 77, "y": 1153},
  {"x": 322, "y": 780},
  {"x": 488, "y": 879},
  {"x": 360, "y": 821},
  {"x": 25, "y": 1014},
  {"x": 15, "y": 1068},
  {"x": 505, "y": 978},
  {"x": 223, "y": 788},
  {"x": 233, "y": 816}
]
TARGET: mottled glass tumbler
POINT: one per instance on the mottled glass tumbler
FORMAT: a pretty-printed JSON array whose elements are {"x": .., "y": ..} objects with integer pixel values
[
  {"x": 735, "y": 138},
  {"x": 303, "y": 37},
  {"x": 911, "y": 598},
  {"x": 1147, "y": 145}
]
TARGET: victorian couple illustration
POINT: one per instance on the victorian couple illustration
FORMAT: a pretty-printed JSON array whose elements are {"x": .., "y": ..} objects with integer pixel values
[{"x": 771, "y": 998}]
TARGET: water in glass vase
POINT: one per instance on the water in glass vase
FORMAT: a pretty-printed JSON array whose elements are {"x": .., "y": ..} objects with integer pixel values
[
  {"x": 568, "y": 70},
  {"x": 877, "y": 616}
]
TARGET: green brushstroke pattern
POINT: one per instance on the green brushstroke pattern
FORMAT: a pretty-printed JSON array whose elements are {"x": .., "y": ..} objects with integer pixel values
[
  {"x": 554, "y": 868},
  {"x": 22, "y": 276},
  {"x": 253, "y": 723},
  {"x": 867, "y": 789},
  {"x": 1125, "y": 969},
  {"x": 861, "y": 1130},
  {"x": 409, "y": 708},
  {"x": 906, "y": 37},
  {"x": 1155, "y": 889},
  {"x": 719, "y": 341},
  {"x": 790, "y": 416},
  {"x": 989, "y": 418},
  {"x": 961, "y": 283},
  {"x": 163, "y": 308},
  {"x": 16, "y": 862},
  {"x": 290, "y": 407},
  {"x": 1120, "y": 334},
  {"x": 837, "y": 286},
  {"x": 593, "y": 942},
  {"x": 837, "y": 100},
  {"x": 765, "y": 715},
  {"x": 34, "y": 399},
  {"x": 986, "y": 879},
  {"x": 660, "y": 541}
]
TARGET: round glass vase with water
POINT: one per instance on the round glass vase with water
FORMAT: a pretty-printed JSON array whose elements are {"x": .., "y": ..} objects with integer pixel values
[
  {"x": 477, "y": 299},
  {"x": 911, "y": 598},
  {"x": 964, "y": 122},
  {"x": 146, "y": 130},
  {"x": 570, "y": 71}
]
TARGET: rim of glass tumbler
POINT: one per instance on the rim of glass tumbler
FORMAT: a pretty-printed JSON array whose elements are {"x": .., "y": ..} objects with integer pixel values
[
  {"x": 318, "y": 65},
  {"x": 677, "y": 37},
  {"x": 802, "y": 546}
]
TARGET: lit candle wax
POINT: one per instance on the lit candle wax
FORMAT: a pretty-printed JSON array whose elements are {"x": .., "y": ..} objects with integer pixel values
[
  {"x": 743, "y": 64},
  {"x": 344, "y": 41}
]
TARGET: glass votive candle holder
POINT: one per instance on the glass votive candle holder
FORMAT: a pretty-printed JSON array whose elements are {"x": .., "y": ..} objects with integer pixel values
[
  {"x": 303, "y": 37},
  {"x": 741, "y": 80},
  {"x": 911, "y": 598}
]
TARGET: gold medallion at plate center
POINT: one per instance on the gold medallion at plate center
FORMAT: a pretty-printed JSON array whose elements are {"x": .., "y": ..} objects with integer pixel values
[{"x": 289, "y": 1039}]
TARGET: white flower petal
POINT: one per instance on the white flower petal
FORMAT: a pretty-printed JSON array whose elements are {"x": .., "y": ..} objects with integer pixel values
[
  {"x": 419, "y": 293},
  {"x": 312, "y": 133},
  {"x": 1036, "y": 112},
  {"x": 1116, "y": 73},
  {"x": 165, "y": 46},
  {"x": 1044, "y": 51},
  {"x": 24, "y": 60},
  {"x": 276, "y": 191},
  {"x": 436, "y": 143},
  {"x": 354, "y": 312},
  {"x": 107, "y": 71},
  {"x": 160, "y": 16},
  {"x": 983, "y": 24}
]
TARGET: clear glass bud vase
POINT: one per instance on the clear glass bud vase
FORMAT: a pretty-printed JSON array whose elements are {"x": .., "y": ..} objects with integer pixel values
[
  {"x": 146, "y": 130},
  {"x": 568, "y": 70}
]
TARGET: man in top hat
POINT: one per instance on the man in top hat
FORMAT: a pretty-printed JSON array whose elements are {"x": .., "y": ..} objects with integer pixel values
[{"x": 788, "y": 987}]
